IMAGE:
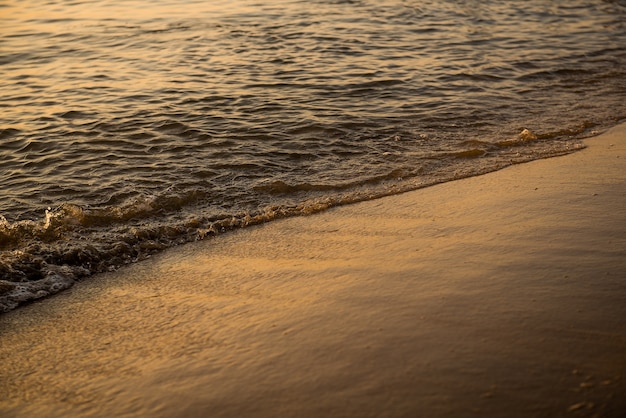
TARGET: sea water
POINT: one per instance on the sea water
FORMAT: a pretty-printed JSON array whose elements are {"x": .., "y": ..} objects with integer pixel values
[{"x": 130, "y": 126}]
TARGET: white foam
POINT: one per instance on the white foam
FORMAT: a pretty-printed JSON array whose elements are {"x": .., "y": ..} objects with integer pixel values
[{"x": 57, "y": 279}]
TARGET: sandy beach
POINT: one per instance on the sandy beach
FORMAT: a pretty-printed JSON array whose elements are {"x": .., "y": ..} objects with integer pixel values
[{"x": 498, "y": 295}]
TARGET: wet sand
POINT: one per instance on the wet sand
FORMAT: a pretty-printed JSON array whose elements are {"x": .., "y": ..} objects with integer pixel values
[{"x": 498, "y": 295}]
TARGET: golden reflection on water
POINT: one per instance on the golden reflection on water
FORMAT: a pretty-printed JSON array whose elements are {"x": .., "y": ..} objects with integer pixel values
[
  {"x": 132, "y": 10},
  {"x": 130, "y": 75}
]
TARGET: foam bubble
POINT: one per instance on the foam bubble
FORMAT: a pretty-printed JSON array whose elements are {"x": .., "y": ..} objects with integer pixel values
[
  {"x": 58, "y": 278},
  {"x": 527, "y": 135}
]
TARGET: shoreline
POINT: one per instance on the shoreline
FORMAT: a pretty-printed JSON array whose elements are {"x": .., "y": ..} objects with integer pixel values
[{"x": 501, "y": 294}]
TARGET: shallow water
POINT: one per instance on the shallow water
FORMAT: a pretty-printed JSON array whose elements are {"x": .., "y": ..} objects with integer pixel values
[{"x": 128, "y": 127}]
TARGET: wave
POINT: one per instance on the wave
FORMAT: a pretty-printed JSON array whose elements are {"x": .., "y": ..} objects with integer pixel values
[{"x": 70, "y": 242}]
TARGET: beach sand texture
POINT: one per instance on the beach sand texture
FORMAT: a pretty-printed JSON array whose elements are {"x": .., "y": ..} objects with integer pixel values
[{"x": 497, "y": 295}]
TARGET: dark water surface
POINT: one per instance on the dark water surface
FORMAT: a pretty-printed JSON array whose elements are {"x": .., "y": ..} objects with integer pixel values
[{"x": 130, "y": 126}]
